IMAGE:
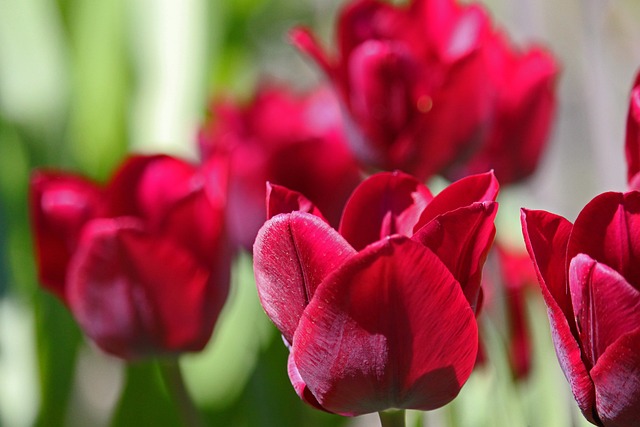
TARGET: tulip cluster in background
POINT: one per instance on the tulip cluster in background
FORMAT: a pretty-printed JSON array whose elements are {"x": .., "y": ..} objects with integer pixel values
[{"x": 136, "y": 143}]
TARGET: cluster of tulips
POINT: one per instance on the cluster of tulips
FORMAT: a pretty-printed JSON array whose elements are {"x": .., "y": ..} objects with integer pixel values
[{"x": 374, "y": 282}]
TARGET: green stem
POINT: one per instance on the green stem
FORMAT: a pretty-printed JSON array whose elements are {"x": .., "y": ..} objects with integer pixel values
[
  {"x": 173, "y": 380},
  {"x": 392, "y": 418}
]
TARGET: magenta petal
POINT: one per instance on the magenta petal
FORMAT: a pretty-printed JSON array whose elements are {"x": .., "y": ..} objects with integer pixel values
[
  {"x": 306, "y": 42},
  {"x": 389, "y": 329},
  {"x": 60, "y": 205},
  {"x": 632, "y": 142},
  {"x": 462, "y": 239},
  {"x": 605, "y": 231},
  {"x": 299, "y": 386},
  {"x": 617, "y": 380},
  {"x": 292, "y": 254},
  {"x": 607, "y": 307},
  {"x": 281, "y": 200},
  {"x": 546, "y": 236},
  {"x": 136, "y": 295},
  {"x": 386, "y": 203},
  {"x": 475, "y": 188}
]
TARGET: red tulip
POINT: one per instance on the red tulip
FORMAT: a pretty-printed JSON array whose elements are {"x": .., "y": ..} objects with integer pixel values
[
  {"x": 413, "y": 80},
  {"x": 142, "y": 262},
  {"x": 524, "y": 83},
  {"x": 632, "y": 146},
  {"x": 287, "y": 139},
  {"x": 379, "y": 314},
  {"x": 589, "y": 273}
]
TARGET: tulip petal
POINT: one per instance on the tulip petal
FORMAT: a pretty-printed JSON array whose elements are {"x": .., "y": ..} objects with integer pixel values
[
  {"x": 617, "y": 380},
  {"x": 60, "y": 205},
  {"x": 293, "y": 253},
  {"x": 475, "y": 188},
  {"x": 305, "y": 41},
  {"x": 605, "y": 231},
  {"x": 462, "y": 238},
  {"x": 281, "y": 200},
  {"x": 386, "y": 203},
  {"x": 632, "y": 142},
  {"x": 299, "y": 386},
  {"x": 546, "y": 236},
  {"x": 606, "y": 305},
  {"x": 389, "y": 329},
  {"x": 137, "y": 295}
]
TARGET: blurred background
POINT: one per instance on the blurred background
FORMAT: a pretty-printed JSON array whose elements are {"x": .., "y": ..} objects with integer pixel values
[{"x": 83, "y": 82}]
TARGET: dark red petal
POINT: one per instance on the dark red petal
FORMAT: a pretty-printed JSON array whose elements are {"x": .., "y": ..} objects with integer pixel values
[
  {"x": 546, "y": 236},
  {"x": 632, "y": 143},
  {"x": 617, "y": 380},
  {"x": 475, "y": 188},
  {"x": 606, "y": 306},
  {"x": 60, "y": 205},
  {"x": 136, "y": 295},
  {"x": 462, "y": 238},
  {"x": 389, "y": 329},
  {"x": 384, "y": 204},
  {"x": 148, "y": 186},
  {"x": 292, "y": 254},
  {"x": 282, "y": 200},
  {"x": 605, "y": 230}
]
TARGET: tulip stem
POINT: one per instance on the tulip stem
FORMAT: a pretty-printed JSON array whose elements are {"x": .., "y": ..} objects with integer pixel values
[
  {"x": 392, "y": 418},
  {"x": 173, "y": 380}
]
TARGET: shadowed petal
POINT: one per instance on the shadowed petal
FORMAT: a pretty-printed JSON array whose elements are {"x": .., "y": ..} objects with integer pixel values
[
  {"x": 617, "y": 380},
  {"x": 462, "y": 238},
  {"x": 60, "y": 205},
  {"x": 546, "y": 236},
  {"x": 475, "y": 188},
  {"x": 136, "y": 295},
  {"x": 293, "y": 253},
  {"x": 281, "y": 200},
  {"x": 606, "y": 306},
  {"x": 605, "y": 230},
  {"x": 389, "y": 329},
  {"x": 387, "y": 203},
  {"x": 299, "y": 386}
]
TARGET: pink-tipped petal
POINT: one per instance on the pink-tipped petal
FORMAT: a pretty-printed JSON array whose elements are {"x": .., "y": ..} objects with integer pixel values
[
  {"x": 281, "y": 200},
  {"x": 136, "y": 295},
  {"x": 387, "y": 203},
  {"x": 60, "y": 205},
  {"x": 389, "y": 329},
  {"x": 606, "y": 305},
  {"x": 605, "y": 231},
  {"x": 475, "y": 188},
  {"x": 462, "y": 238},
  {"x": 307, "y": 43},
  {"x": 293, "y": 253},
  {"x": 617, "y": 380},
  {"x": 546, "y": 236}
]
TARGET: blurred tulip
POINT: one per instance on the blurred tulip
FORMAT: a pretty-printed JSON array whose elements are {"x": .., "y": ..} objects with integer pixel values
[
  {"x": 632, "y": 146},
  {"x": 142, "y": 263},
  {"x": 379, "y": 314},
  {"x": 287, "y": 139},
  {"x": 589, "y": 273},
  {"x": 432, "y": 85}
]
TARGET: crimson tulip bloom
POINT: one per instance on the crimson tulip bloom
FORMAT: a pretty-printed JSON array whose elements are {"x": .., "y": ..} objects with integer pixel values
[
  {"x": 379, "y": 314},
  {"x": 142, "y": 263},
  {"x": 590, "y": 279},
  {"x": 632, "y": 146},
  {"x": 285, "y": 138}
]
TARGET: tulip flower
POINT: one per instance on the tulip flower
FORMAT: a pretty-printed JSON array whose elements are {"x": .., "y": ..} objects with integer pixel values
[
  {"x": 632, "y": 146},
  {"x": 142, "y": 262},
  {"x": 590, "y": 279},
  {"x": 524, "y": 83},
  {"x": 287, "y": 139},
  {"x": 380, "y": 313}
]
